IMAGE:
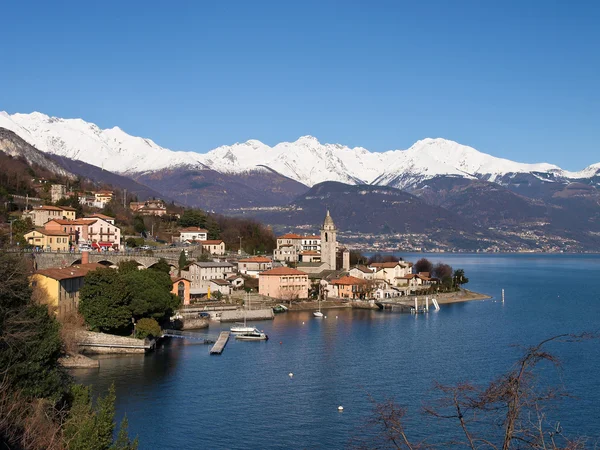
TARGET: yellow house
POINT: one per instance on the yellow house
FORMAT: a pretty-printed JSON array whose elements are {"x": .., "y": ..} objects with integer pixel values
[
  {"x": 61, "y": 286},
  {"x": 48, "y": 240}
]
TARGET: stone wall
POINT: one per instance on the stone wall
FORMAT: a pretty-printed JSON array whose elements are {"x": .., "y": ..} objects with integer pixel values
[
  {"x": 238, "y": 315},
  {"x": 91, "y": 342}
]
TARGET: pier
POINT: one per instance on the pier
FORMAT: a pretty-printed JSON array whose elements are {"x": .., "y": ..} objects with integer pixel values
[
  {"x": 188, "y": 335},
  {"x": 220, "y": 344}
]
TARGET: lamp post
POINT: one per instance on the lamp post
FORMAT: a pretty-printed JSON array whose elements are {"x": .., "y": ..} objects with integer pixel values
[{"x": 240, "y": 251}]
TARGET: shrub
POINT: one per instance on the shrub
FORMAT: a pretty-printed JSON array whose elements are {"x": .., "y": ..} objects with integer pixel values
[{"x": 147, "y": 327}]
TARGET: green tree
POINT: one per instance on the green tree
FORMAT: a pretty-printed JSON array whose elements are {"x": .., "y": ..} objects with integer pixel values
[
  {"x": 459, "y": 277},
  {"x": 104, "y": 301},
  {"x": 128, "y": 266},
  {"x": 138, "y": 224},
  {"x": 30, "y": 343},
  {"x": 149, "y": 292},
  {"x": 161, "y": 266},
  {"x": 193, "y": 218},
  {"x": 147, "y": 327},
  {"x": 91, "y": 428},
  {"x": 131, "y": 242},
  {"x": 182, "y": 261},
  {"x": 20, "y": 227}
]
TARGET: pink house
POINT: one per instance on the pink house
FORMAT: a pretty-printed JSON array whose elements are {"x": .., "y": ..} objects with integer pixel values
[{"x": 283, "y": 283}]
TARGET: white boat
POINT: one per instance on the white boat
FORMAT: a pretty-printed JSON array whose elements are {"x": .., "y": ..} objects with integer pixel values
[
  {"x": 318, "y": 314},
  {"x": 242, "y": 328},
  {"x": 253, "y": 336}
]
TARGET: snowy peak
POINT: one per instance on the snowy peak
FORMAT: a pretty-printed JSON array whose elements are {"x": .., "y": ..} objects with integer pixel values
[{"x": 305, "y": 160}]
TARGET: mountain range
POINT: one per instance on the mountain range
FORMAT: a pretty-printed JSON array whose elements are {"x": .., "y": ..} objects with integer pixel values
[
  {"x": 451, "y": 195},
  {"x": 306, "y": 160}
]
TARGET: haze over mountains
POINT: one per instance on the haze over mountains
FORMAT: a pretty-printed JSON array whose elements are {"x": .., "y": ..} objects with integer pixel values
[{"x": 450, "y": 195}]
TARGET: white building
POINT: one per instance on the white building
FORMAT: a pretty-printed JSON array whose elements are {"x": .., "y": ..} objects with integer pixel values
[
  {"x": 191, "y": 234},
  {"x": 254, "y": 265},
  {"x": 201, "y": 274}
]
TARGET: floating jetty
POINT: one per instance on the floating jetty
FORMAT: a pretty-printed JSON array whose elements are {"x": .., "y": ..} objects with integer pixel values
[{"x": 220, "y": 344}]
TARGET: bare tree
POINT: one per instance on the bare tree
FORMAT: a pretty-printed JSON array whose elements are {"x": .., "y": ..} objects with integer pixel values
[{"x": 509, "y": 413}]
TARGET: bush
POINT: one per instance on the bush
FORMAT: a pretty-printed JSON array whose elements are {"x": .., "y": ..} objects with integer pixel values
[{"x": 147, "y": 327}]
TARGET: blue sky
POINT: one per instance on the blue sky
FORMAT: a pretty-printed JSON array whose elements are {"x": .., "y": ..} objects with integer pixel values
[{"x": 516, "y": 79}]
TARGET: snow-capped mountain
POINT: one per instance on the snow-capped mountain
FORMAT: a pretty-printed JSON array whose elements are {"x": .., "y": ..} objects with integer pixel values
[{"x": 306, "y": 160}]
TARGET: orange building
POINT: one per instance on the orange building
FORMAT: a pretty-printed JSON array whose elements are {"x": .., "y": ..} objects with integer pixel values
[
  {"x": 181, "y": 288},
  {"x": 283, "y": 283},
  {"x": 349, "y": 287}
]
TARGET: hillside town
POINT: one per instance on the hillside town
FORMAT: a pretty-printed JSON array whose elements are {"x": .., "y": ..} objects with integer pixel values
[{"x": 300, "y": 267}]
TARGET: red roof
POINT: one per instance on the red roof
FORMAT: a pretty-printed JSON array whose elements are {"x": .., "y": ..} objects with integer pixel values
[
  {"x": 50, "y": 232},
  {"x": 279, "y": 271},
  {"x": 102, "y": 216},
  {"x": 256, "y": 259},
  {"x": 47, "y": 208},
  {"x": 79, "y": 270},
  {"x": 193, "y": 229},
  {"x": 348, "y": 281},
  {"x": 310, "y": 252},
  {"x": 213, "y": 242},
  {"x": 312, "y": 237},
  {"x": 290, "y": 236},
  {"x": 73, "y": 222}
]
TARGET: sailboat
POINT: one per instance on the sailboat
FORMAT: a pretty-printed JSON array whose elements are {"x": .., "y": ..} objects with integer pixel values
[
  {"x": 239, "y": 328},
  {"x": 318, "y": 314}
]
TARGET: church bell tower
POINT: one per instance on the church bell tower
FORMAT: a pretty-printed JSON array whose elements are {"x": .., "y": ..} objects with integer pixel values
[{"x": 328, "y": 242}]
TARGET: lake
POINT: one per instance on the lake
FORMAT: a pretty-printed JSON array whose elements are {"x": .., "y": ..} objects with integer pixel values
[{"x": 181, "y": 397}]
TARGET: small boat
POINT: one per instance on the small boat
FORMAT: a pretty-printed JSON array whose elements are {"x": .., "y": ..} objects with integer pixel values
[
  {"x": 243, "y": 328},
  {"x": 318, "y": 314},
  {"x": 253, "y": 336},
  {"x": 280, "y": 309}
]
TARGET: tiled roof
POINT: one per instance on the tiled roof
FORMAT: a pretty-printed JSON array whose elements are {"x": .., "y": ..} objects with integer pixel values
[
  {"x": 102, "y": 216},
  {"x": 193, "y": 229},
  {"x": 79, "y": 270},
  {"x": 178, "y": 279},
  {"x": 315, "y": 237},
  {"x": 386, "y": 265},
  {"x": 47, "y": 208},
  {"x": 256, "y": 259},
  {"x": 50, "y": 232},
  {"x": 290, "y": 236},
  {"x": 348, "y": 281},
  {"x": 279, "y": 271},
  {"x": 363, "y": 269},
  {"x": 220, "y": 282},
  {"x": 73, "y": 222},
  {"x": 213, "y": 264},
  {"x": 212, "y": 242}
]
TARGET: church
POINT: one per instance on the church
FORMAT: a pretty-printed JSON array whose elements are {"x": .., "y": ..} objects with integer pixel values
[{"x": 313, "y": 254}]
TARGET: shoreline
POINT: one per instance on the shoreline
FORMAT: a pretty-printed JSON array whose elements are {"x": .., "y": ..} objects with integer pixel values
[{"x": 464, "y": 295}]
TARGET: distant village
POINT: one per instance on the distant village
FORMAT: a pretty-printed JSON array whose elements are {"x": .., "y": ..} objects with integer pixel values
[{"x": 300, "y": 267}]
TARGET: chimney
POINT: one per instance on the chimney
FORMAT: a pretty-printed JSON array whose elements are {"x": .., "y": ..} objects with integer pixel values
[{"x": 85, "y": 257}]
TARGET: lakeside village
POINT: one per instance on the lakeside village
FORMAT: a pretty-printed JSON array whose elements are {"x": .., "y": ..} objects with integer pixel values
[{"x": 118, "y": 299}]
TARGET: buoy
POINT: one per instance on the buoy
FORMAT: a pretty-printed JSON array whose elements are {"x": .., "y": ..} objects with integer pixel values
[
  {"x": 291, "y": 374},
  {"x": 280, "y": 342},
  {"x": 302, "y": 323},
  {"x": 340, "y": 408},
  {"x": 326, "y": 317},
  {"x": 336, "y": 317}
]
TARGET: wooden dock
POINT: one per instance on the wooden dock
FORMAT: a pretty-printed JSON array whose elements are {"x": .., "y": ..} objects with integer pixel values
[{"x": 220, "y": 344}]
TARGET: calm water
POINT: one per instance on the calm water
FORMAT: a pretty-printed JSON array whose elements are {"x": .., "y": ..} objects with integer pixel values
[{"x": 180, "y": 397}]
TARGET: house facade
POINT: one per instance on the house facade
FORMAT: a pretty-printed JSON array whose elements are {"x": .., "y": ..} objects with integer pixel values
[
  {"x": 391, "y": 272},
  {"x": 181, "y": 288},
  {"x": 61, "y": 286},
  {"x": 349, "y": 287},
  {"x": 201, "y": 273},
  {"x": 214, "y": 247},
  {"x": 191, "y": 234},
  {"x": 254, "y": 266},
  {"x": 149, "y": 208},
  {"x": 48, "y": 240},
  {"x": 361, "y": 272},
  {"x": 42, "y": 214},
  {"x": 283, "y": 283},
  {"x": 291, "y": 246}
]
